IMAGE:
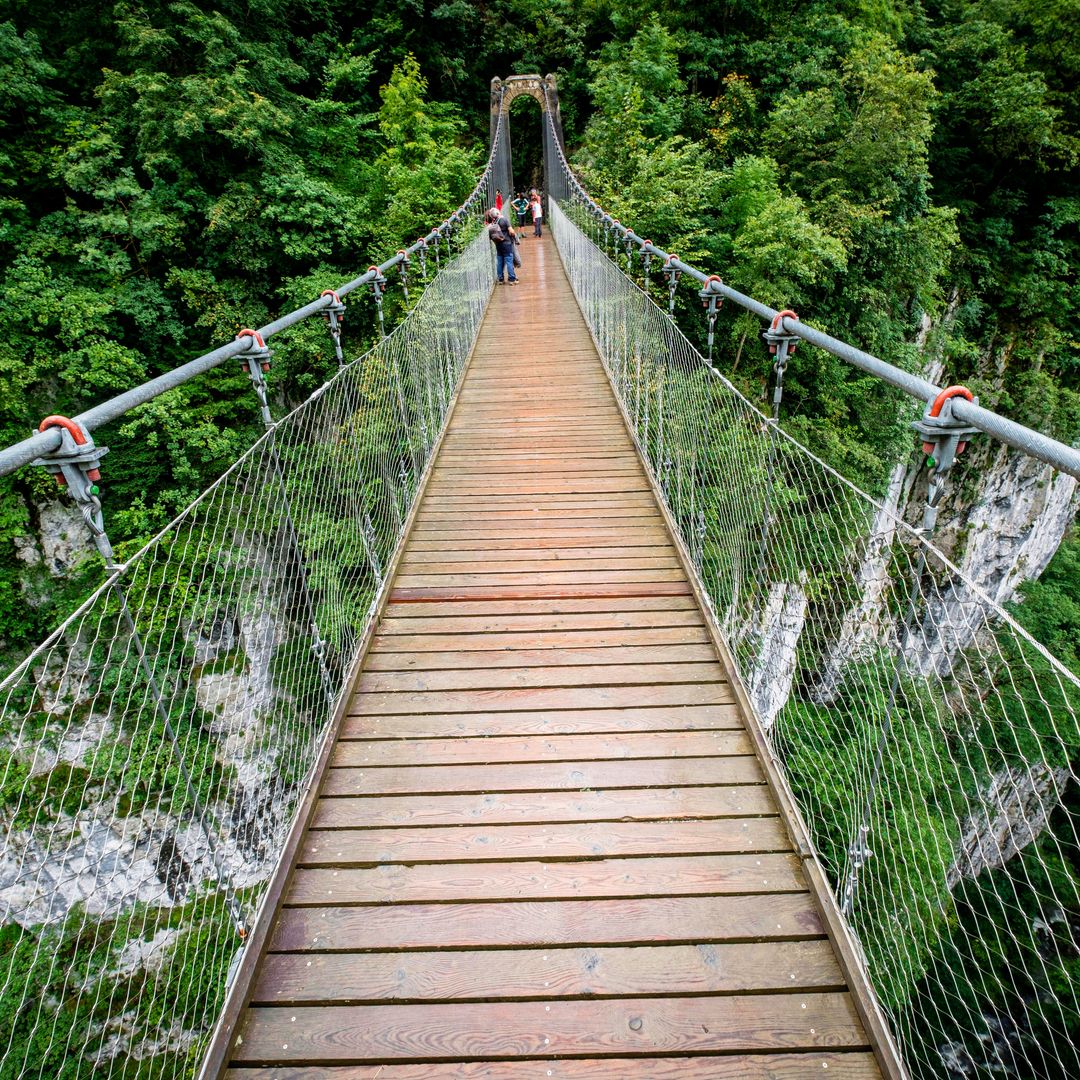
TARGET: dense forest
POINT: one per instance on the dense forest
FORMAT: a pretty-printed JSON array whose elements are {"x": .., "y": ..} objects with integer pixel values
[
  {"x": 172, "y": 172},
  {"x": 902, "y": 173}
]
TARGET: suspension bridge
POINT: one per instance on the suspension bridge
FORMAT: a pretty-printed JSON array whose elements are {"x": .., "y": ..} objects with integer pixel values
[{"x": 529, "y": 703}]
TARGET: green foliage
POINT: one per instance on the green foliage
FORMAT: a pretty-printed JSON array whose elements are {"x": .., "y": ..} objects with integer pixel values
[
  {"x": 75, "y": 993},
  {"x": 171, "y": 173}
]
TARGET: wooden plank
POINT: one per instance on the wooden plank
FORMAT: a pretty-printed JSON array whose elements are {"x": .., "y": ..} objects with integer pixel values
[
  {"x": 500, "y": 539},
  {"x": 556, "y": 578},
  {"x": 487, "y": 618},
  {"x": 573, "y": 387},
  {"x": 388, "y": 883},
  {"x": 551, "y": 722},
  {"x": 565, "y": 776},
  {"x": 538, "y": 697},
  {"x": 653, "y": 920},
  {"x": 551, "y": 530},
  {"x": 473, "y": 446},
  {"x": 359, "y": 1033},
  {"x": 351, "y": 978},
  {"x": 508, "y": 656},
  {"x": 566, "y": 568},
  {"x": 538, "y": 514},
  {"x": 575, "y": 840},
  {"x": 522, "y": 466},
  {"x": 556, "y": 591},
  {"x": 504, "y": 748},
  {"x": 515, "y": 487},
  {"x": 491, "y": 679},
  {"x": 852, "y": 1065},
  {"x": 526, "y": 643},
  {"x": 444, "y": 553},
  {"x": 510, "y": 808},
  {"x": 514, "y": 414},
  {"x": 601, "y": 500}
]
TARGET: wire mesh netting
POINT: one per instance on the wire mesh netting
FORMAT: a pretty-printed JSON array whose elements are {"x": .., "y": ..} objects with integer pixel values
[
  {"x": 931, "y": 744},
  {"x": 157, "y": 746}
]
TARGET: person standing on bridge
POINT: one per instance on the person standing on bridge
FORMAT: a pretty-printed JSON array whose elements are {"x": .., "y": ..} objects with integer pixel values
[
  {"x": 537, "y": 209},
  {"x": 498, "y": 200},
  {"x": 521, "y": 208},
  {"x": 502, "y": 236}
]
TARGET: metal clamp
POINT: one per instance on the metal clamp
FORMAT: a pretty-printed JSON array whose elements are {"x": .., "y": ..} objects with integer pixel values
[
  {"x": 776, "y": 336},
  {"x": 256, "y": 362},
  {"x": 673, "y": 274},
  {"x": 944, "y": 437},
  {"x": 334, "y": 314},
  {"x": 76, "y": 464},
  {"x": 781, "y": 345},
  {"x": 711, "y": 301},
  {"x": 646, "y": 262},
  {"x": 403, "y": 270},
  {"x": 378, "y": 287}
]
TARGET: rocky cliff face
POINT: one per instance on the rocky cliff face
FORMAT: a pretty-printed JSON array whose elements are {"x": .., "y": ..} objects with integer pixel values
[
  {"x": 773, "y": 640},
  {"x": 867, "y": 625},
  {"x": 1012, "y": 810},
  {"x": 107, "y": 860},
  {"x": 1006, "y": 536}
]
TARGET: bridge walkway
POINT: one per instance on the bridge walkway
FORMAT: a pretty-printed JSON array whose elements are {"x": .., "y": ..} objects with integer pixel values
[{"x": 544, "y": 846}]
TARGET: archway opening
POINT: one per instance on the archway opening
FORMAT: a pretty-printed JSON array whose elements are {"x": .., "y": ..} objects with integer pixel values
[{"x": 526, "y": 143}]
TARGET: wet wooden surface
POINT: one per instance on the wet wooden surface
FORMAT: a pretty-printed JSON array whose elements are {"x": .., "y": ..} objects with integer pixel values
[{"x": 544, "y": 846}]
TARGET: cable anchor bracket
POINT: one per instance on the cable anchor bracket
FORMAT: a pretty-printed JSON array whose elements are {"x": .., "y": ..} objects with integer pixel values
[
  {"x": 673, "y": 274},
  {"x": 403, "y": 270},
  {"x": 777, "y": 339},
  {"x": 334, "y": 314},
  {"x": 711, "y": 301},
  {"x": 944, "y": 439},
  {"x": 781, "y": 344},
  {"x": 255, "y": 362},
  {"x": 76, "y": 464}
]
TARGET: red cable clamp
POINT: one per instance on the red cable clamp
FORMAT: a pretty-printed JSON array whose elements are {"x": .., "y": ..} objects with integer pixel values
[
  {"x": 336, "y": 305},
  {"x": 939, "y": 403},
  {"x": 710, "y": 299},
  {"x": 949, "y": 392},
  {"x": 776, "y": 331},
  {"x": 78, "y": 436},
  {"x": 73, "y": 429},
  {"x": 255, "y": 335},
  {"x": 259, "y": 346},
  {"x": 379, "y": 282}
]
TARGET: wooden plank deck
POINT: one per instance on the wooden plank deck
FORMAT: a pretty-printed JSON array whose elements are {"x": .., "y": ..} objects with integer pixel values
[{"x": 544, "y": 846}]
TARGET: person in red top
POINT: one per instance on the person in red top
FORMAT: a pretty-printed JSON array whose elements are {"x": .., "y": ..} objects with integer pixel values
[{"x": 498, "y": 200}]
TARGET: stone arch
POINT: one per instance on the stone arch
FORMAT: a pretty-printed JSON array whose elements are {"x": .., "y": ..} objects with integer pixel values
[{"x": 503, "y": 92}]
